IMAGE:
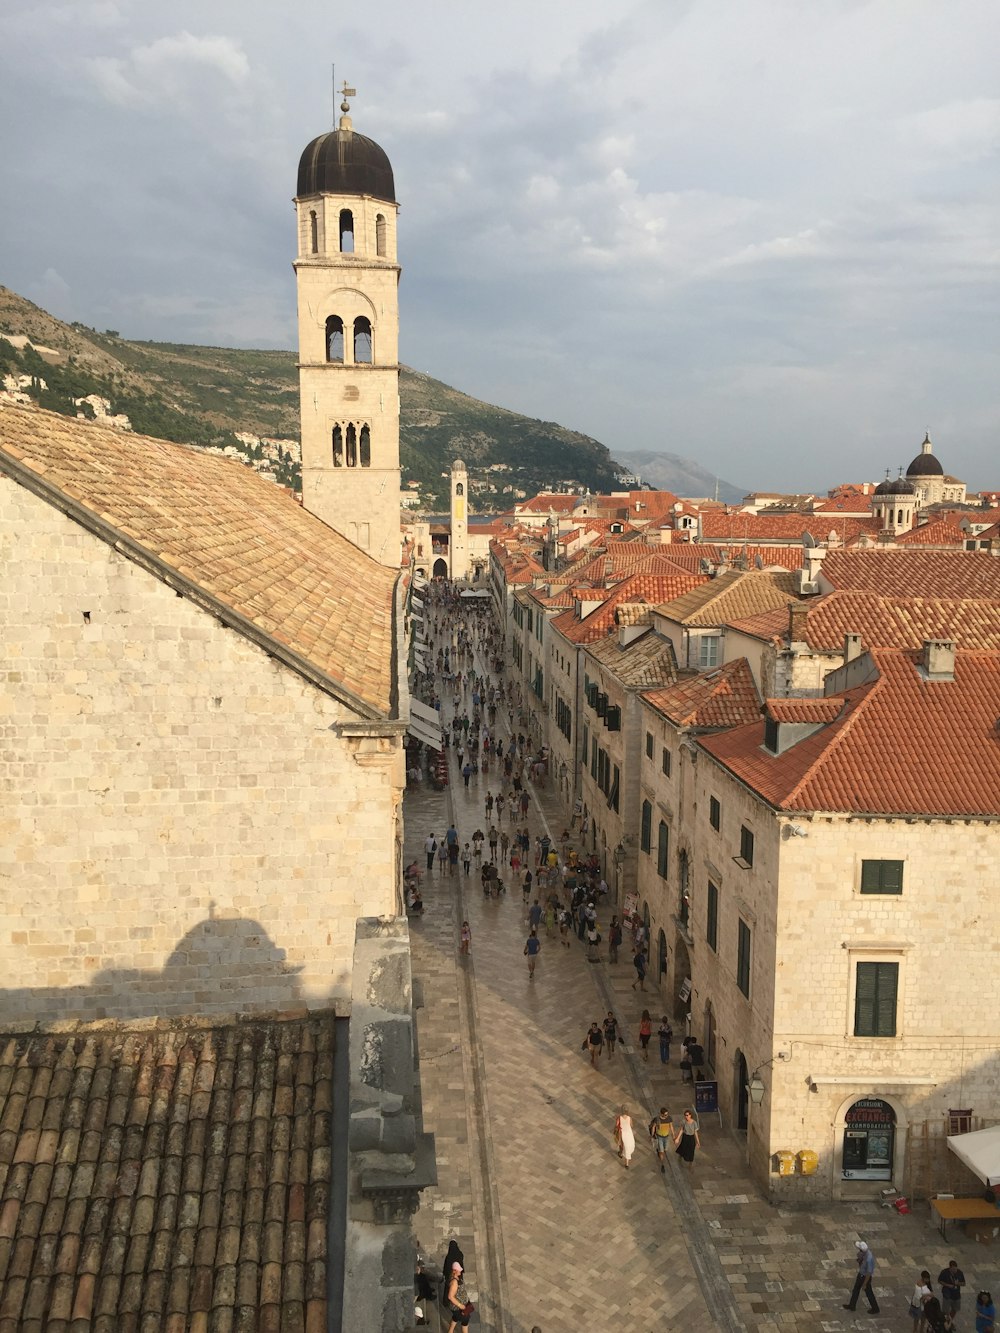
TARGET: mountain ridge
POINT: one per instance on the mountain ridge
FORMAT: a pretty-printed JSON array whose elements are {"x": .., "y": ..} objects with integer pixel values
[{"x": 213, "y": 396}]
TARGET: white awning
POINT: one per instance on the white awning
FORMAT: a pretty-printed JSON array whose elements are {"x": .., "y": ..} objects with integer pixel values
[
  {"x": 425, "y": 724},
  {"x": 415, "y": 615},
  {"x": 422, "y": 732},
  {"x": 419, "y": 659},
  {"x": 417, "y": 602},
  {"x": 426, "y": 714},
  {"x": 980, "y": 1151}
]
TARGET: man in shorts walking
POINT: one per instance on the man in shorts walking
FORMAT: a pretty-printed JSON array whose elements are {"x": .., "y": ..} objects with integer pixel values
[{"x": 661, "y": 1131}]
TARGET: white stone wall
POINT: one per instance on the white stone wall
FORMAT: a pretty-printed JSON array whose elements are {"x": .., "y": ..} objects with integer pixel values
[
  {"x": 181, "y": 830},
  {"x": 810, "y": 927}
]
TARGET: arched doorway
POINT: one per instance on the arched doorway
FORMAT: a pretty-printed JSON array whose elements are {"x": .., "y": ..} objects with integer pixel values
[
  {"x": 741, "y": 1096},
  {"x": 869, "y": 1140},
  {"x": 440, "y": 570},
  {"x": 682, "y": 979},
  {"x": 661, "y": 956}
]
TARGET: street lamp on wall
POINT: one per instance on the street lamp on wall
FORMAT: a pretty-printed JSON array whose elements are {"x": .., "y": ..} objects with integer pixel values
[{"x": 756, "y": 1089}]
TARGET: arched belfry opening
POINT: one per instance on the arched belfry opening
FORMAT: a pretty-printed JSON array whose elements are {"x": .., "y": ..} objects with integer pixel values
[
  {"x": 380, "y": 235},
  {"x": 362, "y": 341},
  {"x": 346, "y": 232},
  {"x": 335, "y": 338}
]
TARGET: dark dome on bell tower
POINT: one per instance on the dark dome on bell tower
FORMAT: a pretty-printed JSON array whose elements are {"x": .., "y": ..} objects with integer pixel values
[{"x": 342, "y": 162}]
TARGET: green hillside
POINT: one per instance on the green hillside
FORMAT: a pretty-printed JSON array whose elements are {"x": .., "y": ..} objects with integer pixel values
[{"x": 205, "y": 395}]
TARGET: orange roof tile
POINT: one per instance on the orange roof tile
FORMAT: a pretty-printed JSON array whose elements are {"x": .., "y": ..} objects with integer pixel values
[
  {"x": 726, "y": 697},
  {"x": 899, "y": 622},
  {"x": 902, "y": 746},
  {"x": 770, "y": 528},
  {"x": 939, "y": 532},
  {"x": 649, "y": 588},
  {"x": 213, "y": 523},
  {"x": 914, "y": 572},
  {"x": 805, "y": 710}
]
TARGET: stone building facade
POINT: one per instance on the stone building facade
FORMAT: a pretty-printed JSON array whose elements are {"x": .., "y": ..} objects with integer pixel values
[{"x": 202, "y": 756}]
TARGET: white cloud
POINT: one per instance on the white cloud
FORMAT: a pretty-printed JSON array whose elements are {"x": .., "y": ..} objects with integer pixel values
[
  {"x": 169, "y": 69},
  {"x": 964, "y": 131}
]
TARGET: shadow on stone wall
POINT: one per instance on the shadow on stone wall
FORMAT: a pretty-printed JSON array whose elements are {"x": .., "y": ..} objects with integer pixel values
[{"x": 223, "y": 965}]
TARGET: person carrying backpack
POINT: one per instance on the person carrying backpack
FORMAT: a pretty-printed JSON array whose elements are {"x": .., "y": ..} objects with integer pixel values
[{"x": 661, "y": 1131}]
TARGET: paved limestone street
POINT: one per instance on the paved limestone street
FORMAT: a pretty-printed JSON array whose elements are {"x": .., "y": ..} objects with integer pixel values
[{"x": 555, "y": 1231}]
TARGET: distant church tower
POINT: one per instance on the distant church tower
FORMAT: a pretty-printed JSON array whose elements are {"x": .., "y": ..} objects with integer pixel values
[
  {"x": 347, "y": 280},
  {"x": 459, "y": 520}
]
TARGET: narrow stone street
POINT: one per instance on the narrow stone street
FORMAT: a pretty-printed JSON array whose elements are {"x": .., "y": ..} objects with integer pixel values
[{"x": 555, "y": 1231}]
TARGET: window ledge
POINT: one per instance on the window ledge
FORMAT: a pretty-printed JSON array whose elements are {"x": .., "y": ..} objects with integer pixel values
[
  {"x": 878, "y": 946},
  {"x": 743, "y": 863},
  {"x": 831, "y": 1080}
]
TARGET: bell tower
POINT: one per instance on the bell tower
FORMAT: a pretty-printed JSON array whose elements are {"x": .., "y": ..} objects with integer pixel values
[
  {"x": 347, "y": 280},
  {"x": 459, "y": 520}
]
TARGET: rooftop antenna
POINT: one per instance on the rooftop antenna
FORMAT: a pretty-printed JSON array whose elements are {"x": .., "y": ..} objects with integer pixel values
[{"x": 717, "y": 490}]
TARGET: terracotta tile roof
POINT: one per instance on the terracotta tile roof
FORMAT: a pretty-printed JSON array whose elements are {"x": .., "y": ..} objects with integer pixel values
[
  {"x": 768, "y": 625},
  {"x": 237, "y": 537},
  {"x": 914, "y": 572},
  {"x": 648, "y": 588},
  {"x": 940, "y": 532},
  {"x": 738, "y": 593},
  {"x": 726, "y": 697},
  {"x": 545, "y": 503},
  {"x": 633, "y": 613},
  {"x": 899, "y": 622},
  {"x": 903, "y": 746},
  {"x": 624, "y": 558},
  {"x": 805, "y": 710},
  {"x": 168, "y": 1180},
  {"x": 771, "y": 528},
  {"x": 645, "y": 662}
]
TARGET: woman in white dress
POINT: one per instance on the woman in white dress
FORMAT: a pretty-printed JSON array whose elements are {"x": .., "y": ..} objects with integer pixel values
[{"x": 625, "y": 1136}]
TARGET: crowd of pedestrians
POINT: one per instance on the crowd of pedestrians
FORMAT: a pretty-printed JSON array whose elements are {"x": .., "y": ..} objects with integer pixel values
[{"x": 563, "y": 896}]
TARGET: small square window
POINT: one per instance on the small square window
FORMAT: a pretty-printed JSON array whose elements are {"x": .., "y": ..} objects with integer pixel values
[
  {"x": 665, "y": 762},
  {"x": 708, "y": 651},
  {"x": 881, "y": 877},
  {"x": 649, "y": 745},
  {"x": 714, "y": 813}
]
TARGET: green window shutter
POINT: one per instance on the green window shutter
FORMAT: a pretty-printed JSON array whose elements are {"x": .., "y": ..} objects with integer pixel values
[
  {"x": 712, "y": 929},
  {"x": 881, "y": 877},
  {"x": 875, "y": 999},
  {"x": 647, "y": 826},
  {"x": 885, "y": 1011}
]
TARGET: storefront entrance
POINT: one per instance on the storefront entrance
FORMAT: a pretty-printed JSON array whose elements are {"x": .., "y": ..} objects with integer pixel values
[{"x": 869, "y": 1140}]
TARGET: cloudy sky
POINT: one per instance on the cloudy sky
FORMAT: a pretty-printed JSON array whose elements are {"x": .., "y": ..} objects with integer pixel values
[{"x": 764, "y": 234}]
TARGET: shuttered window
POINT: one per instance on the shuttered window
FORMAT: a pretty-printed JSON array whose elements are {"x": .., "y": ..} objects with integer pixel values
[
  {"x": 646, "y": 835},
  {"x": 881, "y": 877},
  {"x": 743, "y": 959},
  {"x": 875, "y": 999},
  {"x": 712, "y": 926},
  {"x": 662, "y": 841}
]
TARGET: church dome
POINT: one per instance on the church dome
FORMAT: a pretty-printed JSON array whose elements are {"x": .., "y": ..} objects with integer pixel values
[
  {"x": 898, "y": 486},
  {"x": 342, "y": 162},
  {"x": 925, "y": 464}
]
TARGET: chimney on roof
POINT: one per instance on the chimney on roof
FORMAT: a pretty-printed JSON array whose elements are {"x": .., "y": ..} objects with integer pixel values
[
  {"x": 852, "y": 647},
  {"x": 798, "y": 613},
  {"x": 609, "y": 566},
  {"x": 937, "y": 660}
]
